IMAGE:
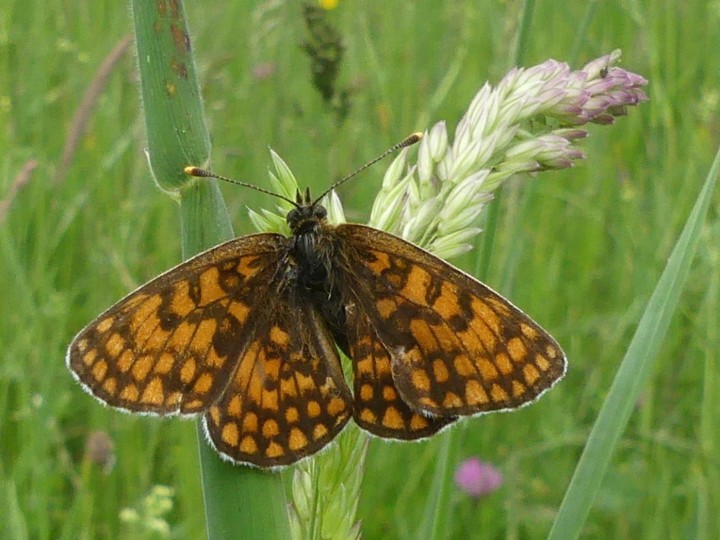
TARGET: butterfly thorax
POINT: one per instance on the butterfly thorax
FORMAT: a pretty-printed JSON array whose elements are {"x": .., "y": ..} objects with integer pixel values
[{"x": 313, "y": 250}]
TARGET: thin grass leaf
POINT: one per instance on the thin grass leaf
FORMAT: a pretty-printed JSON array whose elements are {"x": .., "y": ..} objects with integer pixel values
[{"x": 633, "y": 373}]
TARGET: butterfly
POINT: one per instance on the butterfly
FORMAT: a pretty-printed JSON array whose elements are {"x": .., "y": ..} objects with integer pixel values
[{"x": 248, "y": 334}]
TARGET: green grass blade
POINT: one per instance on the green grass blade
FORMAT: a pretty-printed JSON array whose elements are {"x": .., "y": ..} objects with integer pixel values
[
  {"x": 239, "y": 502},
  {"x": 632, "y": 374}
]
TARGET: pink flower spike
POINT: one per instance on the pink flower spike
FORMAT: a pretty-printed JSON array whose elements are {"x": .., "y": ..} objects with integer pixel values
[{"x": 477, "y": 478}]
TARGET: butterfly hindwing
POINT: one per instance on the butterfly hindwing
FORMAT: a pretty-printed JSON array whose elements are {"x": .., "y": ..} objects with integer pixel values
[
  {"x": 379, "y": 409},
  {"x": 288, "y": 397},
  {"x": 457, "y": 347}
]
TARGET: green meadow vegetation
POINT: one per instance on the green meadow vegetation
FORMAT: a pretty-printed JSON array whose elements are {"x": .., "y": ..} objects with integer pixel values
[{"x": 580, "y": 250}]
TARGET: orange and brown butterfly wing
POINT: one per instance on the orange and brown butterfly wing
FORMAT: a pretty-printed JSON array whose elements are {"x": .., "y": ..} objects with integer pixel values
[
  {"x": 378, "y": 407},
  {"x": 171, "y": 346},
  {"x": 456, "y": 346},
  {"x": 288, "y": 398}
]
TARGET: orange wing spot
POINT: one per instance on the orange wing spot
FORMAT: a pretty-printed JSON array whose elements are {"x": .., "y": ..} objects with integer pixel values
[
  {"x": 386, "y": 307},
  {"x": 447, "y": 304},
  {"x": 279, "y": 336},
  {"x": 187, "y": 371},
  {"x": 204, "y": 332},
  {"x": 498, "y": 394},
  {"x": 250, "y": 423},
  {"x": 416, "y": 285},
  {"x": 517, "y": 349},
  {"x": 478, "y": 337},
  {"x": 464, "y": 366},
  {"x": 99, "y": 370},
  {"x": 297, "y": 439},
  {"x": 542, "y": 362},
  {"x": 335, "y": 406},
  {"x": 313, "y": 409},
  {"x": 366, "y": 415},
  {"x": 130, "y": 393},
  {"x": 181, "y": 304},
  {"x": 173, "y": 399},
  {"x": 428, "y": 402},
  {"x": 248, "y": 445},
  {"x": 500, "y": 306},
  {"x": 452, "y": 401},
  {"x": 270, "y": 400},
  {"x": 475, "y": 394},
  {"x": 488, "y": 316},
  {"x": 82, "y": 344},
  {"x": 440, "y": 371},
  {"x": 488, "y": 371},
  {"x": 181, "y": 336},
  {"x": 528, "y": 331},
  {"x": 518, "y": 389},
  {"x": 153, "y": 392},
  {"x": 245, "y": 267},
  {"x": 389, "y": 393},
  {"x": 270, "y": 429},
  {"x": 420, "y": 380},
  {"x": 392, "y": 419},
  {"x": 503, "y": 363},
  {"x": 125, "y": 362},
  {"x": 110, "y": 385},
  {"x": 382, "y": 366},
  {"x": 115, "y": 345},
  {"x": 89, "y": 357},
  {"x": 418, "y": 422},
  {"x": 230, "y": 434},
  {"x": 274, "y": 450},
  {"x": 531, "y": 374},
  {"x": 366, "y": 392},
  {"x": 239, "y": 310},
  {"x": 203, "y": 384},
  {"x": 319, "y": 431},
  {"x": 105, "y": 325},
  {"x": 157, "y": 339},
  {"x": 234, "y": 407},
  {"x": 145, "y": 328},
  {"x": 423, "y": 335},
  {"x": 292, "y": 415},
  {"x": 146, "y": 306},
  {"x": 305, "y": 382},
  {"x": 142, "y": 367},
  {"x": 215, "y": 415},
  {"x": 552, "y": 352},
  {"x": 165, "y": 363},
  {"x": 287, "y": 388},
  {"x": 194, "y": 405},
  {"x": 213, "y": 359},
  {"x": 381, "y": 262},
  {"x": 210, "y": 288}
]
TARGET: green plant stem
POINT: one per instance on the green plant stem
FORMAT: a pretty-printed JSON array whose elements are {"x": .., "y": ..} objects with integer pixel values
[{"x": 239, "y": 502}]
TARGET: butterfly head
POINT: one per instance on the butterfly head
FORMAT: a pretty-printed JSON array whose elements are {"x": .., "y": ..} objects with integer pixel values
[{"x": 307, "y": 215}]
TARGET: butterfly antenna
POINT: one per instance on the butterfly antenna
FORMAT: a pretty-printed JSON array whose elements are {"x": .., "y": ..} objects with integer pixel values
[
  {"x": 197, "y": 172},
  {"x": 407, "y": 141}
]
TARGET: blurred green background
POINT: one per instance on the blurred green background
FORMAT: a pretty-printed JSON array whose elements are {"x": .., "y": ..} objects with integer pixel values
[{"x": 81, "y": 224}]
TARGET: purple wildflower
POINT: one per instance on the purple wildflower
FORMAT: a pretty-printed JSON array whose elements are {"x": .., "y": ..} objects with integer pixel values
[{"x": 477, "y": 478}]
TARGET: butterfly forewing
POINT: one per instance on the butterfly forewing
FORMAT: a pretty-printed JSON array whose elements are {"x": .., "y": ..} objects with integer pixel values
[
  {"x": 288, "y": 397},
  {"x": 171, "y": 346},
  {"x": 457, "y": 347}
]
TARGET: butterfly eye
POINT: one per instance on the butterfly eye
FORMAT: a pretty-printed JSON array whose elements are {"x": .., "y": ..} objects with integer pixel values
[
  {"x": 292, "y": 217},
  {"x": 319, "y": 212}
]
